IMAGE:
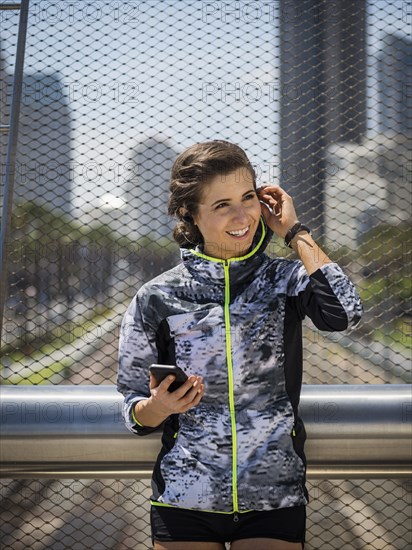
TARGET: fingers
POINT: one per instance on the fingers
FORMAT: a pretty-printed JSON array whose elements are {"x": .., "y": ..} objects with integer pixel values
[
  {"x": 164, "y": 384},
  {"x": 181, "y": 400},
  {"x": 152, "y": 381},
  {"x": 190, "y": 393},
  {"x": 272, "y": 190},
  {"x": 191, "y": 383},
  {"x": 275, "y": 197},
  {"x": 280, "y": 214}
]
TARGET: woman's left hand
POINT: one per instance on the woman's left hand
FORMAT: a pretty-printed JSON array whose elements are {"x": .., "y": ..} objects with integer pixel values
[{"x": 282, "y": 215}]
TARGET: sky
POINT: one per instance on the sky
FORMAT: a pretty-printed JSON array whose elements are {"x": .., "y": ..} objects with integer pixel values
[{"x": 185, "y": 70}]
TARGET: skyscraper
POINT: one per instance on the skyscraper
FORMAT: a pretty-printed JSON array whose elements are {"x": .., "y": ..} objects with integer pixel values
[
  {"x": 43, "y": 171},
  {"x": 395, "y": 85},
  {"x": 147, "y": 189},
  {"x": 323, "y": 94}
]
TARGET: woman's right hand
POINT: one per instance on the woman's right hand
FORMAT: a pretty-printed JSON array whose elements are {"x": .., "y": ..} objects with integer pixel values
[
  {"x": 162, "y": 403},
  {"x": 179, "y": 401}
]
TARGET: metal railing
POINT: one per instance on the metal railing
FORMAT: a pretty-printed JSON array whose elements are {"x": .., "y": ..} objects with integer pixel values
[{"x": 354, "y": 431}]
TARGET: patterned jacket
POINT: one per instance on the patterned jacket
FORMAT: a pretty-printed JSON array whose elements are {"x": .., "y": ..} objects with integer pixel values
[{"x": 237, "y": 323}]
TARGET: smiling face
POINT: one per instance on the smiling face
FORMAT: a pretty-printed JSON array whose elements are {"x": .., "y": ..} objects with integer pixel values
[{"x": 228, "y": 215}]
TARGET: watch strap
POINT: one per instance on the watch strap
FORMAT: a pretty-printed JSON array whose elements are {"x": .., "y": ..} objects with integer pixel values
[{"x": 294, "y": 230}]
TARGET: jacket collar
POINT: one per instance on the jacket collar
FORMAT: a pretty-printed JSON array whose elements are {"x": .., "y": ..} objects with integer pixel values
[{"x": 210, "y": 270}]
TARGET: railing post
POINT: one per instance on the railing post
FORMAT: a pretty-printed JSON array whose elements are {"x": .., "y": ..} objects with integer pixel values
[{"x": 10, "y": 168}]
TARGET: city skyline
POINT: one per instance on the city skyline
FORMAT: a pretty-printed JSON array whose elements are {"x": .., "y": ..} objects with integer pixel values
[{"x": 200, "y": 84}]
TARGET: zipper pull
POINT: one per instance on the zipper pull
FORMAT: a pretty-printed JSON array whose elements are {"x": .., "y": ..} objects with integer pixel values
[{"x": 235, "y": 517}]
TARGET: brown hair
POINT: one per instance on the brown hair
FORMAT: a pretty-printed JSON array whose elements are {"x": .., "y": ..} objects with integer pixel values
[{"x": 191, "y": 171}]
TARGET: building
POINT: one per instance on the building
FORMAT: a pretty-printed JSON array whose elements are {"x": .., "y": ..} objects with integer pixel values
[
  {"x": 146, "y": 191},
  {"x": 366, "y": 186},
  {"x": 43, "y": 157},
  {"x": 395, "y": 86}
]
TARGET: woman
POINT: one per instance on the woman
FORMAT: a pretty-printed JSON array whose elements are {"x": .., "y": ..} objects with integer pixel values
[{"x": 232, "y": 466}]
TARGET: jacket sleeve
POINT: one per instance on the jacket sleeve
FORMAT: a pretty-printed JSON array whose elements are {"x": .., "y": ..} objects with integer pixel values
[
  {"x": 137, "y": 351},
  {"x": 327, "y": 297}
]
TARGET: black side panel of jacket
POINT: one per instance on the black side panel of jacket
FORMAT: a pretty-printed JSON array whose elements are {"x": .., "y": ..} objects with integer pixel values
[
  {"x": 319, "y": 302},
  {"x": 165, "y": 345},
  {"x": 166, "y": 356}
]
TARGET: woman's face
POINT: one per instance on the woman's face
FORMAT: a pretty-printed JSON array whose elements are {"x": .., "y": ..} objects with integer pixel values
[{"x": 228, "y": 215}]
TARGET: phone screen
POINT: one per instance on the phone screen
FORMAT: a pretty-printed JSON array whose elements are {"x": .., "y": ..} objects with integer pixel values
[{"x": 161, "y": 371}]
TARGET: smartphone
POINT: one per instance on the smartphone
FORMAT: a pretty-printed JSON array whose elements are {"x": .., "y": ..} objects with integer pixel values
[{"x": 161, "y": 371}]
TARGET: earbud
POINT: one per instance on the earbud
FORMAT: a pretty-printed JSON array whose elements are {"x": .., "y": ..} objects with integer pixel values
[{"x": 187, "y": 219}]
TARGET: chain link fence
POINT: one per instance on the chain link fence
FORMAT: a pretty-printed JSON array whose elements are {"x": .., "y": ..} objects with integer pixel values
[
  {"x": 318, "y": 93},
  {"x": 101, "y": 514}
]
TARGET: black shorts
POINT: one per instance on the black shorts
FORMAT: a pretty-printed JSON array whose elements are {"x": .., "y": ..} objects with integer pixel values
[{"x": 180, "y": 524}]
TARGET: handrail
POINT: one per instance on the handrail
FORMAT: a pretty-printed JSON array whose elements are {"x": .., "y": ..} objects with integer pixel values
[{"x": 354, "y": 431}]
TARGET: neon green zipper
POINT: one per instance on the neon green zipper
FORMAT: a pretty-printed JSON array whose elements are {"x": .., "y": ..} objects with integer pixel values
[
  {"x": 226, "y": 264},
  {"x": 228, "y": 344},
  {"x": 231, "y": 388}
]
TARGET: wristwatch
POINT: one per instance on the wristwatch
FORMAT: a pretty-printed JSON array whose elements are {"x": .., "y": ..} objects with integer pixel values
[{"x": 294, "y": 230}]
